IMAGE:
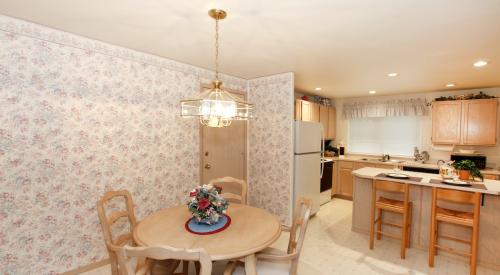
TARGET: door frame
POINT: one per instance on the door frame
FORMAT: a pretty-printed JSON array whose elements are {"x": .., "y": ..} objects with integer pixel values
[{"x": 204, "y": 86}]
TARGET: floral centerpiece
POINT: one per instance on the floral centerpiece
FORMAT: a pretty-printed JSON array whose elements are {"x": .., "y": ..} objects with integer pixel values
[{"x": 206, "y": 204}]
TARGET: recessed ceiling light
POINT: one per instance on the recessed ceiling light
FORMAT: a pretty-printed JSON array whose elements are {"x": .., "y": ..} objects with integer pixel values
[
  {"x": 392, "y": 74},
  {"x": 450, "y": 85},
  {"x": 480, "y": 63},
  {"x": 317, "y": 89},
  {"x": 372, "y": 92}
]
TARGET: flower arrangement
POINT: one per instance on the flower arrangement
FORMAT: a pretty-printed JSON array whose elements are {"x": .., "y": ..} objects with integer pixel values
[{"x": 206, "y": 204}]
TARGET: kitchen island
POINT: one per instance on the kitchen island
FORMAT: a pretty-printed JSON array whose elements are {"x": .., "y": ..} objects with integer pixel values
[{"x": 420, "y": 196}]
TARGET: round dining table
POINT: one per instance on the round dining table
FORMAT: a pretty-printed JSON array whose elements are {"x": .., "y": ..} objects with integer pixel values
[{"x": 251, "y": 230}]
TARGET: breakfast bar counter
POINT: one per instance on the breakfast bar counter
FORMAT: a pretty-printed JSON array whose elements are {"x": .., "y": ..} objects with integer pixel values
[{"x": 421, "y": 195}]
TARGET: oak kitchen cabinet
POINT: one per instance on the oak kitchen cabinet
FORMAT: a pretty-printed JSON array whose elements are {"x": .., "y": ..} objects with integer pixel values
[
  {"x": 344, "y": 182},
  {"x": 314, "y": 111},
  {"x": 306, "y": 111},
  {"x": 323, "y": 119},
  {"x": 343, "y": 179},
  {"x": 310, "y": 111},
  {"x": 298, "y": 109},
  {"x": 465, "y": 122},
  {"x": 479, "y": 124},
  {"x": 332, "y": 123}
]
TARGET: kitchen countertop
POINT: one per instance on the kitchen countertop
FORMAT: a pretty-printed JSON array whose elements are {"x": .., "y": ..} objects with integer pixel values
[
  {"x": 488, "y": 171},
  {"x": 492, "y": 186},
  {"x": 421, "y": 197}
]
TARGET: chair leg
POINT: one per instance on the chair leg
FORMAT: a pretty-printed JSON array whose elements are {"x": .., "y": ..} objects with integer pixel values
[
  {"x": 230, "y": 267},
  {"x": 372, "y": 226},
  {"x": 197, "y": 267},
  {"x": 432, "y": 239},
  {"x": 473, "y": 250},
  {"x": 404, "y": 233},
  {"x": 185, "y": 267},
  {"x": 408, "y": 227},
  {"x": 114, "y": 264},
  {"x": 436, "y": 238},
  {"x": 379, "y": 224},
  {"x": 293, "y": 267}
]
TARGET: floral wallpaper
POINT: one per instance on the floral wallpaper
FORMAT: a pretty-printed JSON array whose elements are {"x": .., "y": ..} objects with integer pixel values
[
  {"x": 79, "y": 117},
  {"x": 271, "y": 145}
]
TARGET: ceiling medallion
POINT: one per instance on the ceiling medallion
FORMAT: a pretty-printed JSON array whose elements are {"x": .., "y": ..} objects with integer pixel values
[{"x": 216, "y": 107}]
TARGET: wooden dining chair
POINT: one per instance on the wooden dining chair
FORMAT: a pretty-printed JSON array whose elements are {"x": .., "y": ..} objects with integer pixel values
[
  {"x": 128, "y": 257},
  {"x": 275, "y": 261},
  {"x": 460, "y": 218},
  {"x": 233, "y": 190},
  {"x": 107, "y": 222}
]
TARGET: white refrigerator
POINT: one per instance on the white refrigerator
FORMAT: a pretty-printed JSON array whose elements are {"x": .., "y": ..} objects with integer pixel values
[{"x": 308, "y": 151}]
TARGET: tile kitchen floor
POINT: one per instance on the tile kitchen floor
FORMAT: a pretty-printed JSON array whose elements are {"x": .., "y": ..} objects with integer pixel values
[{"x": 331, "y": 248}]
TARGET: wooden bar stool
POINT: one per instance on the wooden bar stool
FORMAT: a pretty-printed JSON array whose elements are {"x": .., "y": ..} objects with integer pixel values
[
  {"x": 385, "y": 204},
  {"x": 467, "y": 219}
]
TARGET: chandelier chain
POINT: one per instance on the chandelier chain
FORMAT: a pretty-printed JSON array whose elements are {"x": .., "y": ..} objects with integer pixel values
[{"x": 217, "y": 49}]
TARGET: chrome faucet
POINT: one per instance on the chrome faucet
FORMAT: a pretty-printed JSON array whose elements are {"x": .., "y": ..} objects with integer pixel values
[{"x": 385, "y": 157}]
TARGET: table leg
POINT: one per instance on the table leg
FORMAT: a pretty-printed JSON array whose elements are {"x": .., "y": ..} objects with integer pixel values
[{"x": 250, "y": 265}]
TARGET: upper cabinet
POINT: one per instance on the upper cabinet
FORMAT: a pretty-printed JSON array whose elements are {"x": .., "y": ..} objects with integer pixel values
[
  {"x": 306, "y": 110},
  {"x": 314, "y": 112},
  {"x": 324, "y": 119},
  {"x": 332, "y": 122},
  {"x": 465, "y": 122},
  {"x": 446, "y": 120},
  {"x": 298, "y": 109},
  {"x": 479, "y": 125}
]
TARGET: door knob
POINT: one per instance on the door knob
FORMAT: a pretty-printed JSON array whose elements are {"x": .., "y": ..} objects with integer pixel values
[{"x": 208, "y": 166}]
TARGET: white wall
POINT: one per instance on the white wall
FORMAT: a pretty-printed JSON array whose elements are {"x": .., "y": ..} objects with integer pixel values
[{"x": 436, "y": 152}]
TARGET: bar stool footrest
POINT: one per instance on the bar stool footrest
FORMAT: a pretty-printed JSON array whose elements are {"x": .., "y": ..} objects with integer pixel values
[
  {"x": 453, "y": 238},
  {"x": 392, "y": 224},
  {"x": 453, "y": 251},
  {"x": 388, "y": 235}
]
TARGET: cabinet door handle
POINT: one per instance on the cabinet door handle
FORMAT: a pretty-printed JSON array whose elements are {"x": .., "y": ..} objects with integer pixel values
[{"x": 208, "y": 166}]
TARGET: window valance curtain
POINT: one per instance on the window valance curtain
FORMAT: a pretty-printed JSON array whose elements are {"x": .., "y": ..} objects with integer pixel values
[{"x": 387, "y": 108}]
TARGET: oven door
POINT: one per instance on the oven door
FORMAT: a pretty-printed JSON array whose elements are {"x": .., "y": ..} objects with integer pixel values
[{"x": 326, "y": 182}]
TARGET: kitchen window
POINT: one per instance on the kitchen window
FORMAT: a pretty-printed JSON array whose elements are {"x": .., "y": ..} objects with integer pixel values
[{"x": 384, "y": 135}]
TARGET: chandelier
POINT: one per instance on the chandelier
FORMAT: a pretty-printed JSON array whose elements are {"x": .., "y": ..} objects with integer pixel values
[{"x": 216, "y": 107}]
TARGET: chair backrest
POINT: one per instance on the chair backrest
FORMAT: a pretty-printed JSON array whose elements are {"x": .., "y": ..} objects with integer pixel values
[
  {"x": 127, "y": 254},
  {"x": 107, "y": 221},
  {"x": 233, "y": 190},
  {"x": 390, "y": 186},
  {"x": 457, "y": 196},
  {"x": 299, "y": 225}
]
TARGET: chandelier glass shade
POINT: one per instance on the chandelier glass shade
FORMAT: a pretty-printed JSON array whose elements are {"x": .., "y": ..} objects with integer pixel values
[{"x": 216, "y": 107}]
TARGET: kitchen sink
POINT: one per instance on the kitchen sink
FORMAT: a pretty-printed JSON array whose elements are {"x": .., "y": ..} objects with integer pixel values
[{"x": 381, "y": 160}]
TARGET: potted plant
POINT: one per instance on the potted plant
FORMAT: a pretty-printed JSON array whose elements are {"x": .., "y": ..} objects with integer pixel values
[{"x": 466, "y": 169}]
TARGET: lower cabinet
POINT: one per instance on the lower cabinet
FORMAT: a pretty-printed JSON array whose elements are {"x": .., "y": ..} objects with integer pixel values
[
  {"x": 490, "y": 177},
  {"x": 343, "y": 180},
  {"x": 345, "y": 183},
  {"x": 384, "y": 166}
]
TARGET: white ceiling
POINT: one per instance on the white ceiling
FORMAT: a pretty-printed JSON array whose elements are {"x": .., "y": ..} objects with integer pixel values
[{"x": 344, "y": 46}]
